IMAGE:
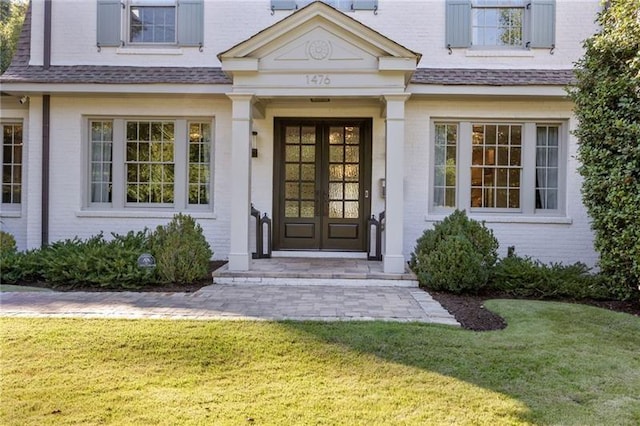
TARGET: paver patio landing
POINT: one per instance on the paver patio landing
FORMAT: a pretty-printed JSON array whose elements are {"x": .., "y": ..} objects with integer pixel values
[{"x": 217, "y": 302}]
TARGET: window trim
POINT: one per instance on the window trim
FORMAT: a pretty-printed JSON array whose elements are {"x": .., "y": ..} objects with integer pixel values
[
  {"x": 528, "y": 161},
  {"x": 539, "y": 24},
  {"x": 150, "y": 3},
  {"x": 119, "y": 179},
  {"x": 14, "y": 209},
  {"x": 114, "y": 29},
  {"x": 526, "y": 18}
]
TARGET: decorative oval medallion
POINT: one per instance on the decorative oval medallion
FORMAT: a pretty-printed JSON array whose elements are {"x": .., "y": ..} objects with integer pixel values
[{"x": 319, "y": 49}]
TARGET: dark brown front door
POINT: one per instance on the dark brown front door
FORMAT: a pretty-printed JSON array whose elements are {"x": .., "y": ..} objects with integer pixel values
[{"x": 321, "y": 190}]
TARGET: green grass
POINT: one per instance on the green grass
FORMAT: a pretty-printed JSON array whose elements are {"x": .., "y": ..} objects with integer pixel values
[{"x": 554, "y": 364}]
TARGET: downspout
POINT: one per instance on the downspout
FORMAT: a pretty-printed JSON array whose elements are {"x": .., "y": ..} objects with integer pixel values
[{"x": 46, "y": 119}]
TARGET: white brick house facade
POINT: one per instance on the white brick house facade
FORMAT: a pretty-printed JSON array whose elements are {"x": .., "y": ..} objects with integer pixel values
[{"x": 245, "y": 68}]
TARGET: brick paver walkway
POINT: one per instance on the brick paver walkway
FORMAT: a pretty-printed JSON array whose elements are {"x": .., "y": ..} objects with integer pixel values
[{"x": 216, "y": 302}]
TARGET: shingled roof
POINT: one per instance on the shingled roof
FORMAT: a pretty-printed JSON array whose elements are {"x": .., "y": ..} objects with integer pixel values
[
  {"x": 493, "y": 77},
  {"x": 100, "y": 74},
  {"x": 21, "y": 72}
]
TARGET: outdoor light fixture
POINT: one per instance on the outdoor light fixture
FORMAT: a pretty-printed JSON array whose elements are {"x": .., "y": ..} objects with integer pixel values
[
  {"x": 23, "y": 100},
  {"x": 146, "y": 261},
  {"x": 254, "y": 144}
]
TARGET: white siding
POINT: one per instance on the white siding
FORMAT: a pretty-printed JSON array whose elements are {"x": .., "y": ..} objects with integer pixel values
[
  {"x": 551, "y": 241},
  {"x": 69, "y": 162},
  {"x": 417, "y": 25}
]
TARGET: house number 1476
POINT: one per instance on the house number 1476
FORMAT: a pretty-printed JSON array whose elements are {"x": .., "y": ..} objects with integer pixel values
[{"x": 318, "y": 80}]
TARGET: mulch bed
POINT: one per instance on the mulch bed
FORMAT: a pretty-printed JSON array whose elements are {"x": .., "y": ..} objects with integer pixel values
[{"x": 470, "y": 312}]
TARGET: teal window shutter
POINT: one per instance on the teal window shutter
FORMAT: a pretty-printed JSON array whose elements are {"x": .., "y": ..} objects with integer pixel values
[
  {"x": 364, "y": 5},
  {"x": 109, "y": 29},
  {"x": 283, "y": 4},
  {"x": 458, "y": 23},
  {"x": 190, "y": 22},
  {"x": 543, "y": 23}
]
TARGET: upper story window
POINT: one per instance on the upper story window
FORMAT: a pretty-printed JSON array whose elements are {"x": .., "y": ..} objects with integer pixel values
[
  {"x": 497, "y": 23},
  {"x": 150, "y": 22},
  {"x": 500, "y": 23}
]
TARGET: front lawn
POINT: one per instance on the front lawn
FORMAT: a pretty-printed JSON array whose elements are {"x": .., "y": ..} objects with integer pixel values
[{"x": 554, "y": 364}]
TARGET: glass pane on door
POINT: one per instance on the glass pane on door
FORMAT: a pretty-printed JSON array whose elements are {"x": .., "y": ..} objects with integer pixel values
[
  {"x": 300, "y": 171},
  {"x": 344, "y": 172}
]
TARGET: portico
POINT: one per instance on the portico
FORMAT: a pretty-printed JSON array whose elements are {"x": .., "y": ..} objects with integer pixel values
[{"x": 322, "y": 76}]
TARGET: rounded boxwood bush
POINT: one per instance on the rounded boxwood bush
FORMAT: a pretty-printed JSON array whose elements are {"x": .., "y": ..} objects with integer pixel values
[
  {"x": 181, "y": 251},
  {"x": 457, "y": 255}
]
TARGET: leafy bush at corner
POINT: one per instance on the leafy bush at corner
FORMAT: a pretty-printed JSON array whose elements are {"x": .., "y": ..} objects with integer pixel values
[
  {"x": 457, "y": 255},
  {"x": 526, "y": 277},
  {"x": 21, "y": 266},
  {"x": 7, "y": 244},
  {"x": 181, "y": 250},
  {"x": 607, "y": 106}
]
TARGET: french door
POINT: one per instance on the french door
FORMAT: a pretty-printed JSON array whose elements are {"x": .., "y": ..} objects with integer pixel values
[{"x": 321, "y": 184}]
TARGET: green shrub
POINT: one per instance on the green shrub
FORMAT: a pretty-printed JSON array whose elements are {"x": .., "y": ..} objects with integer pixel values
[
  {"x": 181, "y": 250},
  {"x": 607, "y": 106},
  {"x": 526, "y": 277},
  {"x": 7, "y": 244},
  {"x": 91, "y": 262},
  {"x": 21, "y": 266},
  {"x": 97, "y": 262},
  {"x": 457, "y": 255}
]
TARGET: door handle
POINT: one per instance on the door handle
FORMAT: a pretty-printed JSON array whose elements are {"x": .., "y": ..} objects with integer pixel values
[{"x": 366, "y": 193}]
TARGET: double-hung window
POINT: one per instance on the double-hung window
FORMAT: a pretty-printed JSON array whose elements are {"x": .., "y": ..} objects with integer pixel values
[
  {"x": 11, "y": 160},
  {"x": 141, "y": 163},
  {"x": 497, "y": 23},
  {"x": 503, "y": 24},
  {"x": 150, "y": 23},
  {"x": 500, "y": 167}
]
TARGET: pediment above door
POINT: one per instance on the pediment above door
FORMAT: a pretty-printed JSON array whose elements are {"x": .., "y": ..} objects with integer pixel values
[{"x": 319, "y": 40}]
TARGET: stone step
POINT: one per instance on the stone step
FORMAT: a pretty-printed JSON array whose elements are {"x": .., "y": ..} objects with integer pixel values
[
  {"x": 329, "y": 281},
  {"x": 327, "y": 272}
]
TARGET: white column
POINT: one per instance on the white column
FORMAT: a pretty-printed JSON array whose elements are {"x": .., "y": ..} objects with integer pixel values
[
  {"x": 239, "y": 255},
  {"x": 393, "y": 258}
]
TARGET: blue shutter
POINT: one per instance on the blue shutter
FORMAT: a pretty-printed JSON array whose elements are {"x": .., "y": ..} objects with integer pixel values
[
  {"x": 283, "y": 4},
  {"x": 109, "y": 29},
  {"x": 190, "y": 22},
  {"x": 364, "y": 5},
  {"x": 543, "y": 23},
  {"x": 458, "y": 23}
]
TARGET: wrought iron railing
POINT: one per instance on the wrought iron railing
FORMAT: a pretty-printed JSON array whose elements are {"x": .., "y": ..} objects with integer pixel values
[
  {"x": 378, "y": 224},
  {"x": 262, "y": 223}
]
